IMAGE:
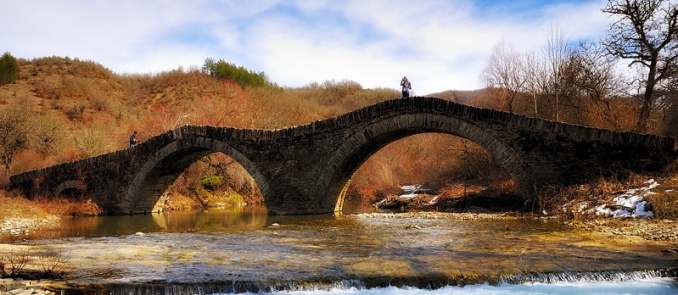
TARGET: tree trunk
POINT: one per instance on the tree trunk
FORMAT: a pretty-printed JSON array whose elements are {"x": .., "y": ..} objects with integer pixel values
[{"x": 645, "y": 110}]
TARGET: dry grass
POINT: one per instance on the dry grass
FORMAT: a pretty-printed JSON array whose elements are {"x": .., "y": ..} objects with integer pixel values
[
  {"x": 495, "y": 196},
  {"x": 664, "y": 205},
  {"x": 83, "y": 207},
  {"x": 16, "y": 206},
  {"x": 580, "y": 200},
  {"x": 664, "y": 201}
]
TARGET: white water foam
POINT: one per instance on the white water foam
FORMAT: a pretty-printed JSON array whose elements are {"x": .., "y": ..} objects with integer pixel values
[{"x": 654, "y": 286}]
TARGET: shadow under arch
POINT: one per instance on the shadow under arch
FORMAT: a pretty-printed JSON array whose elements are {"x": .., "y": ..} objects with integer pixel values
[
  {"x": 156, "y": 175},
  {"x": 69, "y": 186},
  {"x": 361, "y": 145}
]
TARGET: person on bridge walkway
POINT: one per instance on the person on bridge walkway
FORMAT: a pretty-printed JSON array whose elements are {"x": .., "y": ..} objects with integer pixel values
[
  {"x": 133, "y": 139},
  {"x": 407, "y": 86}
]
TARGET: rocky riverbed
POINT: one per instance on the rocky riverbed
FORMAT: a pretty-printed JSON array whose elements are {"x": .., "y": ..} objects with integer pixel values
[
  {"x": 642, "y": 229},
  {"x": 23, "y": 225},
  {"x": 28, "y": 287},
  {"x": 662, "y": 232}
]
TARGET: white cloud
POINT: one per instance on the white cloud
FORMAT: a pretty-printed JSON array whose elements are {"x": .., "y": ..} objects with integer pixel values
[{"x": 439, "y": 45}]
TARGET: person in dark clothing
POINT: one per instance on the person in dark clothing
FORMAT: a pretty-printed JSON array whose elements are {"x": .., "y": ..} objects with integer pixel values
[
  {"x": 133, "y": 139},
  {"x": 407, "y": 86}
]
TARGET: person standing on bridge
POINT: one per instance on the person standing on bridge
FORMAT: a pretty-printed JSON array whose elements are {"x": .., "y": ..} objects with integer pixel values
[
  {"x": 133, "y": 139},
  {"x": 407, "y": 86}
]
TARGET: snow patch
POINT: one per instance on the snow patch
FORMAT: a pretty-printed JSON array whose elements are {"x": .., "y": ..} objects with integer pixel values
[
  {"x": 630, "y": 204},
  {"x": 411, "y": 191}
]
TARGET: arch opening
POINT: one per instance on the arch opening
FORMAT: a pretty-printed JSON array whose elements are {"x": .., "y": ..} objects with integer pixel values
[
  {"x": 71, "y": 189},
  {"x": 197, "y": 167},
  {"x": 213, "y": 181},
  {"x": 432, "y": 172},
  {"x": 362, "y": 145}
]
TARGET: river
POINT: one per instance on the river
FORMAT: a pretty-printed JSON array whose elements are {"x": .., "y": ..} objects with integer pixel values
[{"x": 225, "y": 251}]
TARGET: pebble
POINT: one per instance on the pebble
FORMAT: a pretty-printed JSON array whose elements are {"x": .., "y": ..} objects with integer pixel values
[
  {"x": 648, "y": 229},
  {"x": 435, "y": 215},
  {"x": 23, "y": 287},
  {"x": 17, "y": 226}
]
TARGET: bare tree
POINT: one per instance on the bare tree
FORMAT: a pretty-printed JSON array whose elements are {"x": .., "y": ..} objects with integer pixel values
[
  {"x": 670, "y": 108},
  {"x": 647, "y": 33},
  {"x": 47, "y": 136},
  {"x": 504, "y": 75},
  {"x": 13, "y": 132},
  {"x": 534, "y": 69},
  {"x": 593, "y": 86},
  {"x": 556, "y": 54}
]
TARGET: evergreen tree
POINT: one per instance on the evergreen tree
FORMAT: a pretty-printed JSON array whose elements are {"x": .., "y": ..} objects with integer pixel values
[
  {"x": 9, "y": 69},
  {"x": 228, "y": 71}
]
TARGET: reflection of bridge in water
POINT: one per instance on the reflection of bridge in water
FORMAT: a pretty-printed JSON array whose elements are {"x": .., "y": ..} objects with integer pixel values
[{"x": 306, "y": 169}]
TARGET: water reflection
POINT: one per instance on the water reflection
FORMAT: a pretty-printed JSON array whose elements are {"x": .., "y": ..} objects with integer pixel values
[{"x": 173, "y": 222}]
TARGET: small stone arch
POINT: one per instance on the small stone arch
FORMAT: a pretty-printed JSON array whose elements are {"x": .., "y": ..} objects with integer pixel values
[
  {"x": 69, "y": 185},
  {"x": 336, "y": 173},
  {"x": 144, "y": 192}
]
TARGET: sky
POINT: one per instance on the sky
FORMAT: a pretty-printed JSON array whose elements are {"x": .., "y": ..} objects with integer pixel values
[{"x": 438, "y": 44}]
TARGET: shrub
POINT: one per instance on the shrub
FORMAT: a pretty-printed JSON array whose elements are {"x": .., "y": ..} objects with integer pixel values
[
  {"x": 16, "y": 261},
  {"x": 228, "y": 71},
  {"x": 9, "y": 69},
  {"x": 211, "y": 182},
  {"x": 51, "y": 262},
  {"x": 92, "y": 141},
  {"x": 47, "y": 134},
  {"x": 75, "y": 112},
  {"x": 664, "y": 206}
]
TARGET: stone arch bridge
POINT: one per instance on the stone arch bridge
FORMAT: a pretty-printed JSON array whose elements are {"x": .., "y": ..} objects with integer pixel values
[{"x": 306, "y": 169}]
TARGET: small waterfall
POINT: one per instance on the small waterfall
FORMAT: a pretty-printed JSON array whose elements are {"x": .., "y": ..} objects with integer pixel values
[
  {"x": 233, "y": 287},
  {"x": 588, "y": 277},
  {"x": 237, "y": 287}
]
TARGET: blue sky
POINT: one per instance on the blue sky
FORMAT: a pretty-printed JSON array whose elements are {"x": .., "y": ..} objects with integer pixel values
[{"x": 440, "y": 45}]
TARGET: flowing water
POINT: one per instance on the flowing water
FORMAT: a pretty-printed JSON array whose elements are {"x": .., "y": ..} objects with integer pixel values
[{"x": 247, "y": 251}]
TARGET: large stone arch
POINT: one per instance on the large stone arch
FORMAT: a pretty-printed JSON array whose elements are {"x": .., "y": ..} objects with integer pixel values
[
  {"x": 335, "y": 175},
  {"x": 148, "y": 184}
]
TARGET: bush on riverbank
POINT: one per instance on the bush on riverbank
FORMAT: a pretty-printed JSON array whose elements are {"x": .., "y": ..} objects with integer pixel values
[
  {"x": 664, "y": 206},
  {"x": 664, "y": 203},
  {"x": 14, "y": 205}
]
